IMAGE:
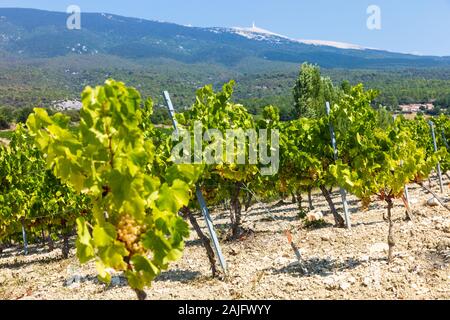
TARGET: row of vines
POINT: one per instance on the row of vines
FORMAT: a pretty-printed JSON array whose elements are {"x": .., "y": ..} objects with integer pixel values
[{"x": 113, "y": 179}]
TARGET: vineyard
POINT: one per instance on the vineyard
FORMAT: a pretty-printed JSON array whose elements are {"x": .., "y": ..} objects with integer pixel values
[{"x": 358, "y": 206}]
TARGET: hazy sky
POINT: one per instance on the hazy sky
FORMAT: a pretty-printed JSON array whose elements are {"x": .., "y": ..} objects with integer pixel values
[{"x": 414, "y": 26}]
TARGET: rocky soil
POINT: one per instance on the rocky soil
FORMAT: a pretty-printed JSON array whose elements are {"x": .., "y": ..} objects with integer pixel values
[{"x": 341, "y": 264}]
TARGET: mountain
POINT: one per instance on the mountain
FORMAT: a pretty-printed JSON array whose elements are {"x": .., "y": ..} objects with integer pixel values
[
  {"x": 43, "y": 63},
  {"x": 31, "y": 34},
  {"x": 266, "y": 35}
]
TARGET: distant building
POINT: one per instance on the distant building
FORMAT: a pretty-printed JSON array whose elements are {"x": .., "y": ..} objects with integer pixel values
[
  {"x": 67, "y": 105},
  {"x": 416, "y": 107}
]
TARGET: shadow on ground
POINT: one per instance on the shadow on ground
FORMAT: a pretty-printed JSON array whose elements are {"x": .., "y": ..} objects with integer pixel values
[
  {"x": 317, "y": 266},
  {"x": 178, "y": 275},
  {"x": 19, "y": 264}
]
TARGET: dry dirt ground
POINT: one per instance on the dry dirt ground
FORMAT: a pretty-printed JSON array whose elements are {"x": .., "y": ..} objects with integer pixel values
[{"x": 341, "y": 264}]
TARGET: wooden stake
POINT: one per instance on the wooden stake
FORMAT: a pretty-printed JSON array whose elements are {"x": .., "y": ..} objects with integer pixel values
[
  {"x": 24, "y": 236},
  {"x": 435, "y": 150},
  {"x": 199, "y": 194}
]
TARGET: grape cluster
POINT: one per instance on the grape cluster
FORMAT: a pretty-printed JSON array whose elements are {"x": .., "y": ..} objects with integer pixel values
[{"x": 129, "y": 232}]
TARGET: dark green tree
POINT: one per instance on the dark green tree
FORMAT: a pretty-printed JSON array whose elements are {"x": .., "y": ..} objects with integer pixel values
[
  {"x": 311, "y": 91},
  {"x": 4, "y": 124}
]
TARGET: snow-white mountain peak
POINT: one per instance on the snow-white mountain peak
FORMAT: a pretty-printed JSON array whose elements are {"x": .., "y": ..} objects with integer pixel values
[
  {"x": 255, "y": 30},
  {"x": 261, "y": 34},
  {"x": 336, "y": 44}
]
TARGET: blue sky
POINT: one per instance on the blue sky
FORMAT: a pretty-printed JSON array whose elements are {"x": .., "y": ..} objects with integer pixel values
[{"x": 413, "y": 26}]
